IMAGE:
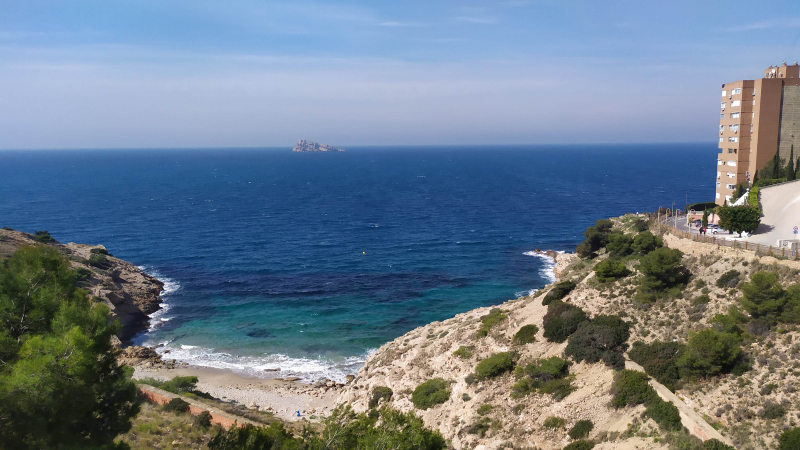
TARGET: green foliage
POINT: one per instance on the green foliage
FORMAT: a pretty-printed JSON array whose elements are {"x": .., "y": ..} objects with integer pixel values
[
  {"x": 390, "y": 429},
  {"x": 526, "y": 334},
  {"x": 659, "y": 360},
  {"x": 728, "y": 279},
  {"x": 709, "y": 352},
  {"x": 768, "y": 182},
  {"x": 739, "y": 218},
  {"x": 82, "y": 274},
  {"x": 580, "y": 445},
  {"x": 58, "y": 362},
  {"x": 43, "y": 237},
  {"x": 581, "y": 429},
  {"x": 561, "y": 320},
  {"x": 559, "y": 388},
  {"x": 554, "y": 422},
  {"x": 602, "y": 338},
  {"x": 739, "y": 191},
  {"x": 484, "y": 409},
  {"x": 645, "y": 242},
  {"x": 713, "y": 444},
  {"x": 548, "y": 376},
  {"x": 203, "y": 420},
  {"x": 764, "y": 296},
  {"x": 630, "y": 388},
  {"x": 99, "y": 250},
  {"x": 789, "y": 440},
  {"x": 180, "y": 385},
  {"x": 610, "y": 270},
  {"x": 430, "y": 393},
  {"x": 493, "y": 366},
  {"x": 664, "y": 413},
  {"x": 250, "y": 437},
  {"x": 789, "y": 171},
  {"x": 177, "y": 404},
  {"x": 559, "y": 291},
  {"x": 596, "y": 238},
  {"x": 619, "y": 245},
  {"x": 752, "y": 197},
  {"x": 494, "y": 317},
  {"x": 661, "y": 270},
  {"x": 704, "y": 220},
  {"x": 379, "y": 393},
  {"x": 98, "y": 260},
  {"x": 464, "y": 352},
  {"x": 704, "y": 206},
  {"x": 641, "y": 225}
]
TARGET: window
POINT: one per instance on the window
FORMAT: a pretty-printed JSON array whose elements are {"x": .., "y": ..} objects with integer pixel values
[
  {"x": 717, "y": 194},
  {"x": 732, "y": 150},
  {"x": 736, "y": 103},
  {"x": 731, "y": 175},
  {"x": 718, "y": 185},
  {"x": 720, "y": 162},
  {"x": 720, "y": 139},
  {"x": 733, "y": 139},
  {"x": 722, "y": 115},
  {"x": 736, "y": 91},
  {"x": 754, "y": 103},
  {"x": 724, "y": 93},
  {"x": 734, "y": 127},
  {"x": 732, "y": 163},
  {"x": 722, "y": 105},
  {"x": 730, "y": 186},
  {"x": 721, "y": 128},
  {"x": 754, "y": 92},
  {"x": 734, "y": 115}
]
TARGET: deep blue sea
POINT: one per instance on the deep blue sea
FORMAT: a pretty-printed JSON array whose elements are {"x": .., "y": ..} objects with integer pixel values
[{"x": 309, "y": 261}]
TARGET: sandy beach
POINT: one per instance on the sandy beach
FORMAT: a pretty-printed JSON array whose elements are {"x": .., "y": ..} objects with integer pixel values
[{"x": 283, "y": 398}]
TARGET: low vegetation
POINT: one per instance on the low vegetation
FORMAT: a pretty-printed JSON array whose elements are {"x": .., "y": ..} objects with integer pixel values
[
  {"x": 561, "y": 320},
  {"x": 546, "y": 376},
  {"x": 659, "y": 360},
  {"x": 602, "y": 338},
  {"x": 493, "y": 366},
  {"x": 379, "y": 393},
  {"x": 631, "y": 388},
  {"x": 488, "y": 321},
  {"x": 559, "y": 291},
  {"x": 526, "y": 335},
  {"x": 581, "y": 429},
  {"x": 430, "y": 393}
]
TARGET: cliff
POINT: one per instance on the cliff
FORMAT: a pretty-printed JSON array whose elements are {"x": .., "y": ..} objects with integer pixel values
[
  {"x": 308, "y": 146},
  {"x": 128, "y": 291}
]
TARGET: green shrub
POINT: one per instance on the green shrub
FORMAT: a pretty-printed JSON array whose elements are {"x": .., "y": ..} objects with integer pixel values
[
  {"x": 494, "y": 317},
  {"x": 464, "y": 352},
  {"x": 581, "y": 429},
  {"x": 596, "y": 238},
  {"x": 752, "y": 197},
  {"x": 661, "y": 270},
  {"x": 561, "y": 321},
  {"x": 98, "y": 260},
  {"x": 559, "y": 291},
  {"x": 526, "y": 334},
  {"x": 495, "y": 365},
  {"x": 641, "y": 225},
  {"x": 789, "y": 440},
  {"x": 701, "y": 206},
  {"x": 43, "y": 237},
  {"x": 728, "y": 279},
  {"x": 203, "y": 420},
  {"x": 602, "y": 338},
  {"x": 82, "y": 274},
  {"x": 466, "y": 397},
  {"x": 709, "y": 352},
  {"x": 713, "y": 444},
  {"x": 630, "y": 388},
  {"x": 177, "y": 404},
  {"x": 484, "y": 409},
  {"x": 430, "y": 393},
  {"x": 548, "y": 376},
  {"x": 554, "y": 422},
  {"x": 659, "y": 361},
  {"x": 703, "y": 299},
  {"x": 665, "y": 414},
  {"x": 773, "y": 411},
  {"x": 479, "y": 427},
  {"x": 619, "y": 245},
  {"x": 580, "y": 445},
  {"x": 379, "y": 393},
  {"x": 99, "y": 250},
  {"x": 610, "y": 270},
  {"x": 177, "y": 385},
  {"x": 645, "y": 242},
  {"x": 764, "y": 296},
  {"x": 559, "y": 388},
  {"x": 739, "y": 218},
  {"x": 7, "y": 228}
]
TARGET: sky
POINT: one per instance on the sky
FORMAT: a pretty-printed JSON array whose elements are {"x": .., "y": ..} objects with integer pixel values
[{"x": 204, "y": 73}]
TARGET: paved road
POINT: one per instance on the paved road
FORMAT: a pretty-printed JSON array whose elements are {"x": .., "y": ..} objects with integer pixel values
[{"x": 781, "y": 206}]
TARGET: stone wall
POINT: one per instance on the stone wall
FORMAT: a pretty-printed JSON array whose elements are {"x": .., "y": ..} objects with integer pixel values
[{"x": 162, "y": 397}]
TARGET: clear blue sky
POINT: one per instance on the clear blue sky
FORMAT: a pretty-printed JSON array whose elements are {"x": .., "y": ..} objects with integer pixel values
[{"x": 201, "y": 73}]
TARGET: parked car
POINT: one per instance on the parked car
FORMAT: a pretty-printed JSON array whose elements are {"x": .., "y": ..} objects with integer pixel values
[{"x": 697, "y": 222}]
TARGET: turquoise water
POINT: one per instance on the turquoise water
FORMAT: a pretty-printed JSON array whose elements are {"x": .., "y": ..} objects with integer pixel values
[{"x": 308, "y": 262}]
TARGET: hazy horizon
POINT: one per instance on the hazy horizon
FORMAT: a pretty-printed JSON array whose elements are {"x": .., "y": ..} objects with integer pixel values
[{"x": 205, "y": 74}]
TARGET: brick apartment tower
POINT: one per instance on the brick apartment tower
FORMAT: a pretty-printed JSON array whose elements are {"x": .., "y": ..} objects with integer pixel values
[{"x": 756, "y": 119}]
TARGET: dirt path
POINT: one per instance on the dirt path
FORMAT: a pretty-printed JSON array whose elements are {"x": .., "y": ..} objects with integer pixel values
[{"x": 693, "y": 421}]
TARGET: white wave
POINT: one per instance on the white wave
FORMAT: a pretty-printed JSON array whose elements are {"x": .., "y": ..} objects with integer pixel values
[
  {"x": 171, "y": 286},
  {"x": 548, "y": 265},
  {"x": 307, "y": 369}
]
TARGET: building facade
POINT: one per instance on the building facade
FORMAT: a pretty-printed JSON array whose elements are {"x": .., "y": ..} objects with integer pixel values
[{"x": 757, "y": 118}]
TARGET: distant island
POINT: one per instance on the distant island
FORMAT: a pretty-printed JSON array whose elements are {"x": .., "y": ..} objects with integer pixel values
[{"x": 308, "y": 146}]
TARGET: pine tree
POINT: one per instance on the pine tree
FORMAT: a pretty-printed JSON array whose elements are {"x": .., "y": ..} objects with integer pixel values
[
  {"x": 790, "y": 172},
  {"x": 755, "y": 177},
  {"x": 704, "y": 222},
  {"x": 797, "y": 170},
  {"x": 776, "y": 166}
]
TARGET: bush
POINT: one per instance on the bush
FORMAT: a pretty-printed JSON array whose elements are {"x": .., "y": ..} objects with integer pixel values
[
  {"x": 99, "y": 250},
  {"x": 526, "y": 334},
  {"x": 554, "y": 422},
  {"x": 701, "y": 206},
  {"x": 739, "y": 218},
  {"x": 645, "y": 242},
  {"x": 661, "y": 270},
  {"x": 43, "y": 237},
  {"x": 251, "y": 437},
  {"x": 549, "y": 376},
  {"x": 177, "y": 404},
  {"x": 630, "y": 388},
  {"x": 559, "y": 291},
  {"x": 773, "y": 411},
  {"x": 464, "y": 352},
  {"x": 602, "y": 338},
  {"x": 728, "y": 279},
  {"x": 561, "y": 321},
  {"x": 495, "y": 365},
  {"x": 641, "y": 225},
  {"x": 659, "y": 360},
  {"x": 379, "y": 393},
  {"x": 430, "y": 393},
  {"x": 764, "y": 296},
  {"x": 665, "y": 414},
  {"x": 203, "y": 420},
  {"x": 790, "y": 440},
  {"x": 713, "y": 444},
  {"x": 494, "y": 317},
  {"x": 484, "y": 409},
  {"x": 709, "y": 352},
  {"x": 596, "y": 238},
  {"x": 581, "y": 429},
  {"x": 98, "y": 260},
  {"x": 559, "y": 388},
  {"x": 610, "y": 270},
  {"x": 619, "y": 245},
  {"x": 82, "y": 274},
  {"x": 580, "y": 445}
]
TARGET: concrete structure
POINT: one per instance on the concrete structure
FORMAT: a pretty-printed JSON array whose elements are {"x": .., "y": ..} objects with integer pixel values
[
  {"x": 781, "y": 206},
  {"x": 757, "y": 118}
]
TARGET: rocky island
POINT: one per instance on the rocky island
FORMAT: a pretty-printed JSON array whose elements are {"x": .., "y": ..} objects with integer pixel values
[{"x": 308, "y": 146}]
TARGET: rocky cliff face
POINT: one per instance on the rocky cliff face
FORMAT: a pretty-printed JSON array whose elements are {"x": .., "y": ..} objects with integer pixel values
[
  {"x": 308, "y": 146},
  {"x": 130, "y": 293}
]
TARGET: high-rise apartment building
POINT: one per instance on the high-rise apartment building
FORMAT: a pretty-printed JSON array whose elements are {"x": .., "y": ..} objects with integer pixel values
[{"x": 756, "y": 119}]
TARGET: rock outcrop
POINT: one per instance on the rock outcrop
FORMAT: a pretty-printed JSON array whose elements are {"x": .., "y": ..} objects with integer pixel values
[
  {"x": 130, "y": 293},
  {"x": 308, "y": 146}
]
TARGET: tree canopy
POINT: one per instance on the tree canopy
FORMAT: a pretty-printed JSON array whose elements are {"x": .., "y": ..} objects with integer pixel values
[{"x": 739, "y": 218}]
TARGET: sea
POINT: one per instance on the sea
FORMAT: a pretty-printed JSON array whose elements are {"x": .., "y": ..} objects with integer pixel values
[{"x": 308, "y": 262}]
